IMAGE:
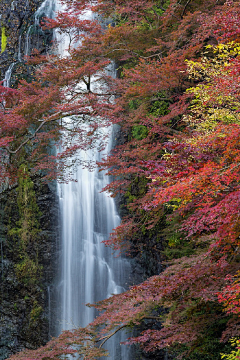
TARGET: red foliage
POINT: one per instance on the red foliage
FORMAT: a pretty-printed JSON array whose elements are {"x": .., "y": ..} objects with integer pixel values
[{"x": 191, "y": 167}]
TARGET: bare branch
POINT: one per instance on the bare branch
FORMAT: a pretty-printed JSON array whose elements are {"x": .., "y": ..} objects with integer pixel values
[
  {"x": 33, "y": 135},
  {"x": 134, "y": 53},
  {"x": 107, "y": 337},
  {"x": 53, "y": 117},
  {"x": 185, "y": 7},
  {"x": 173, "y": 15}
]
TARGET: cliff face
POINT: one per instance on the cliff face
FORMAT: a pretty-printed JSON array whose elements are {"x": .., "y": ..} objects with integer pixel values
[
  {"x": 17, "y": 26},
  {"x": 27, "y": 267},
  {"x": 25, "y": 293}
]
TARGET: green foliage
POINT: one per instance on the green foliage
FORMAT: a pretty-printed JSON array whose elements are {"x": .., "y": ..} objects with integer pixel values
[
  {"x": 159, "y": 107},
  {"x": 3, "y": 39},
  {"x": 175, "y": 245},
  {"x": 139, "y": 132},
  {"x": 136, "y": 189},
  {"x": 153, "y": 15},
  {"x": 209, "y": 350},
  {"x": 160, "y": 7},
  {"x": 208, "y": 346},
  {"x": 178, "y": 248},
  {"x": 133, "y": 104},
  {"x": 174, "y": 240}
]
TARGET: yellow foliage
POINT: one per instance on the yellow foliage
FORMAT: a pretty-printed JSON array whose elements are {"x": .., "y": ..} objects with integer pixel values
[
  {"x": 210, "y": 106},
  {"x": 235, "y": 354},
  {"x": 209, "y": 67},
  {"x": 223, "y": 51},
  {"x": 3, "y": 40}
]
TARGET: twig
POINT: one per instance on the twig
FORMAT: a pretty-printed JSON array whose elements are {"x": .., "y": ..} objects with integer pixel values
[{"x": 105, "y": 338}]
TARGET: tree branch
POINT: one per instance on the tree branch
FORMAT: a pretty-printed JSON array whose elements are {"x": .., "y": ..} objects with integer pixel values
[
  {"x": 185, "y": 7},
  {"x": 32, "y": 136},
  {"x": 107, "y": 337},
  {"x": 54, "y": 117},
  {"x": 134, "y": 53}
]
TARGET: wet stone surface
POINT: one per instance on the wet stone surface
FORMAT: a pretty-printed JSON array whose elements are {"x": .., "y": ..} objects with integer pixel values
[
  {"x": 22, "y": 35},
  {"x": 24, "y": 307}
]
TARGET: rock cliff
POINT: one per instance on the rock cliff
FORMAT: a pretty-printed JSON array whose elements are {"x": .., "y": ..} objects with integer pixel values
[
  {"x": 20, "y": 35},
  {"x": 25, "y": 300}
]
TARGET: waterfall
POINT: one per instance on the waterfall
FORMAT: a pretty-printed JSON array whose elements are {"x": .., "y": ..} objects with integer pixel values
[
  {"x": 8, "y": 74},
  {"x": 27, "y": 43},
  {"x": 19, "y": 48},
  {"x": 89, "y": 272},
  {"x": 46, "y": 9}
]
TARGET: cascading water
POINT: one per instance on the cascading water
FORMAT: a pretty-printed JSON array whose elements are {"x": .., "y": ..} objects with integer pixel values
[
  {"x": 46, "y": 9},
  {"x": 89, "y": 270},
  {"x": 19, "y": 48},
  {"x": 8, "y": 74}
]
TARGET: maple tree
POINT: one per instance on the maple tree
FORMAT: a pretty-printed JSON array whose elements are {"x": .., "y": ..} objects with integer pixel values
[{"x": 177, "y": 101}]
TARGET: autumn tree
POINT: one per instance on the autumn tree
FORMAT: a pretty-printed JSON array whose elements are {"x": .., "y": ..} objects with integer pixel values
[{"x": 176, "y": 98}]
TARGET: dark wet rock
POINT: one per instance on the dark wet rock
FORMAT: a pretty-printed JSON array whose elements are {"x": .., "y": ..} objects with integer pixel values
[
  {"x": 17, "y": 16},
  {"x": 4, "y": 58},
  {"x": 24, "y": 308}
]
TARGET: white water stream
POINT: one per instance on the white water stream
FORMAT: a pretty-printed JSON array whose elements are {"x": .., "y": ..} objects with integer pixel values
[
  {"x": 89, "y": 270},
  {"x": 8, "y": 74},
  {"x": 46, "y": 9}
]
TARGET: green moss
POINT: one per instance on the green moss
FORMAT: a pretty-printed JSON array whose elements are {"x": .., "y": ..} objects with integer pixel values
[
  {"x": 26, "y": 232},
  {"x": 36, "y": 312},
  {"x": 24, "y": 240},
  {"x": 27, "y": 271},
  {"x": 3, "y": 40}
]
